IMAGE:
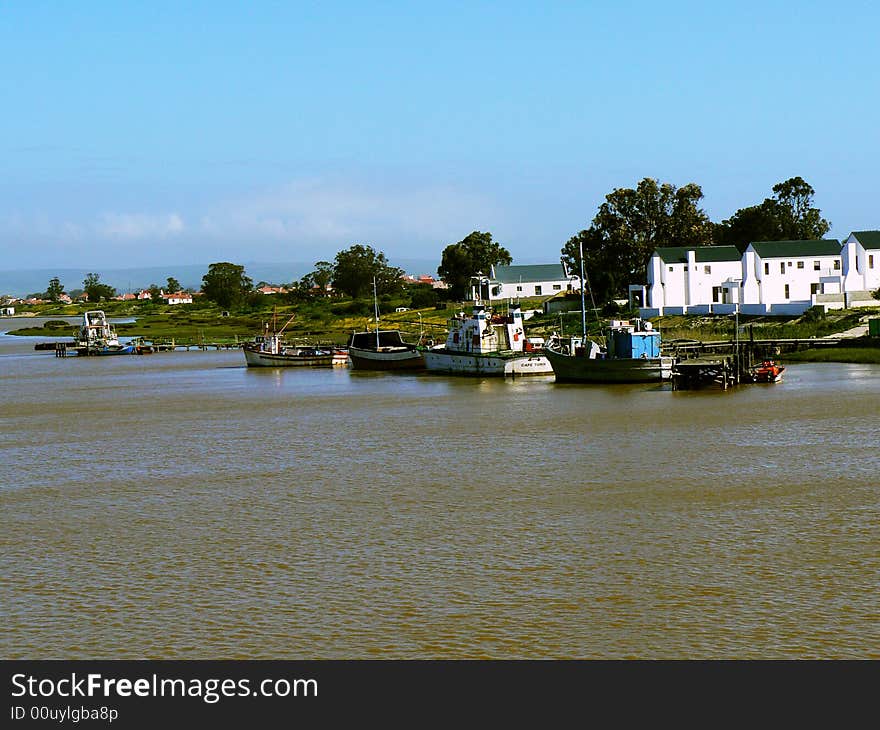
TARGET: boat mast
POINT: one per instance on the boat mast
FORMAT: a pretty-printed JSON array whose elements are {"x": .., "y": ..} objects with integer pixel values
[
  {"x": 376, "y": 310},
  {"x": 583, "y": 302}
]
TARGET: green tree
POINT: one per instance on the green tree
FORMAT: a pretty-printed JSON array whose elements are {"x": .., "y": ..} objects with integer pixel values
[
  {"x": 155, "y": 293},
  {"x": 173, "y": 285},
  {"x": 322, "y": 276},
  {"x": 355, "y": 268},
  {"x": 226, "y": 284},
  {"x": 55, "y": 289},
  {"x": 628, "y": 226},
  {"x": 95, "y": 290},
  {"x": 789, "y": 215},
  {"x": 475, "y": 254}
]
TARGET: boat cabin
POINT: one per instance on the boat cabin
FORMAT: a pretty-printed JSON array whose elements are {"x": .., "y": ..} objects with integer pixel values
[{"x": 484, "y": 332}]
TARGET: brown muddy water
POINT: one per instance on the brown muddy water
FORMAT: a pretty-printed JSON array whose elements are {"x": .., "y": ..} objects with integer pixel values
[{"x": 179, "y": 505}]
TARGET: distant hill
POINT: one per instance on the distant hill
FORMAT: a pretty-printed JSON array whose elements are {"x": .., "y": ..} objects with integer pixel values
[{"x": 24, "y": 282}]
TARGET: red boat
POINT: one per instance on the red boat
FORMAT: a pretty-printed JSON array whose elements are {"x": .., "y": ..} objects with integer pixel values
[{"x": 768, "y": 372}]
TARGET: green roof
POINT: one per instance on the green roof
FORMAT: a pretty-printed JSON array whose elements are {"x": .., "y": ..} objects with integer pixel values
[
  {"x": 535, "y": 272},
  {"x": 868, "y": 239},
  {"x": 703, "y": 254},
  {"x": 790, "y": 249}
]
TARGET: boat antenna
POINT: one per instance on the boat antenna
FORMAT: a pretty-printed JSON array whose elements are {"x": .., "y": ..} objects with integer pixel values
[{"x": 376, "y": 309}]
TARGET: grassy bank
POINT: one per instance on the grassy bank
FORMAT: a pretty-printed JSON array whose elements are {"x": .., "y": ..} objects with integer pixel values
[
  {"x": 865, "y": 355},
  {"x": 316, "y": 321},
  {"x": 334, "y": 320}
]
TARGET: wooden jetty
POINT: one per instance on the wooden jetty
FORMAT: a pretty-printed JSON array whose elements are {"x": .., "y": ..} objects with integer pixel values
[{"x": 724, "y": 363}]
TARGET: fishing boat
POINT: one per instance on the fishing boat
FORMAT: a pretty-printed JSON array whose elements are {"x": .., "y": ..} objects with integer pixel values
[
  {"x": 270, "y": 350},
  {"x": 96, "y": 336},
  {"x": 631, "y": 353},
  {"x": 768, "y": 371},
  {"x": 383, "y": 349},
  {"x": 488, "y": 344}
]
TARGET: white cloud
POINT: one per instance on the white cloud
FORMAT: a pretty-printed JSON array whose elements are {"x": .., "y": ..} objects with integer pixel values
[
  {"x": 139, "y": 225},
  {"x": 322, "y": 211}
]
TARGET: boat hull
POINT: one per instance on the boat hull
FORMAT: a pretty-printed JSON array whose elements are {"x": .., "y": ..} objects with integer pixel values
[
  {"x": 499, "y": 365},
  {"x": 104, "y": 351},
  {"x": 577, "y": 369},
  {"x": 254, "y": 358},
  {"x": 386, "y": 359}
]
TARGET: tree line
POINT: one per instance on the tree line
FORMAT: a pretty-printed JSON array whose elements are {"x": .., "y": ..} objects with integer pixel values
[
  {"x": 632, "y": 222},
  {"x": 616, "y": 246}
]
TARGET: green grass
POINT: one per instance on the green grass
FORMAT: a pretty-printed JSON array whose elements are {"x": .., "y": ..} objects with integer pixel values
[{"x": 866, "y": 355}]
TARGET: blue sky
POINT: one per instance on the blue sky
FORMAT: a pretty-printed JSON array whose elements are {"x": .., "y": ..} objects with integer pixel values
[{"x": 138, "y": 134}]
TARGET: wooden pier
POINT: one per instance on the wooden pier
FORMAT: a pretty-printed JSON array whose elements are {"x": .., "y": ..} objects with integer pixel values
[{"x": 724, "y": 363}]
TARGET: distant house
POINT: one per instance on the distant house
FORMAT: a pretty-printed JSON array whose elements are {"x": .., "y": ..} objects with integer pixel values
[
  {"x": 180, "y": 297},
  {"x": 516, "y": 282},
  {"x": 65, "y": 299},
  {"x": 272, "y": 289},
  {"x": 7, "y": 311},
  {"x": 145, "y": 294}
]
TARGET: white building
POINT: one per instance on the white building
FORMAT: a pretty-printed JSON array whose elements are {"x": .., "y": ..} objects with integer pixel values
[
  {"x": 769, "y": 277},
  {"x": 691, "y": 279},
  {"x": 789, "y": 277},
  {"x": 516, "y": 282},
  {"x": 861, "y": 266},
  {"x": 180, "y": 297}
]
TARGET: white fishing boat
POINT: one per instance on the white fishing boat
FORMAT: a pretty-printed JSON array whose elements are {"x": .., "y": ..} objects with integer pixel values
[
  {"x": 271, "y": 350},
  {"x": 96, "y": 336},
  {"x": 488, "y": 344}
]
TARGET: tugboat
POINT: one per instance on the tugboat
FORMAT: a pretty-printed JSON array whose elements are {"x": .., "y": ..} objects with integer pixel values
[
  {"x": 768, "y": 371},
  {"x": 96, "y": 336},
  {"x": 487, "y": 344}
]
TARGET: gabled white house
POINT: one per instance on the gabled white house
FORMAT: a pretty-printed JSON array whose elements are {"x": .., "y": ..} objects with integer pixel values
[
  {"x": 861, "y": 265},
  {"x": 770, "y": 277},
  {"x": 690, "y": 279},
  {"x": 516, "y": 282},
  {"x": 789, "y": 277}
]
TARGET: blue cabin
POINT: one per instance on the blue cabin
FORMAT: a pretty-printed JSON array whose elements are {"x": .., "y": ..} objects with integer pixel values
[{"x": 636, "y": 340}]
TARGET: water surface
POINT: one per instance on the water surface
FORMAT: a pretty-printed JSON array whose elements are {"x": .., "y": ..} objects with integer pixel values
[{"x": 180, "y": 505}]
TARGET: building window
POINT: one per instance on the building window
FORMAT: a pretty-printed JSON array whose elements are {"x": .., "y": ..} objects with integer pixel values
[
  {"x": 800, "y": 264},
  {"x": 537, "y": 290},
  {"x": 789, "y": 263},
  {"x": 519, "y": 288},
  {"x": 766, "y": 268},
  {"x": 782, "y": 267},
  {"x": 816, "y": 266},
  {"x": 557, "y": 287},
  {"x": 871, "y": 261},
  {"x": 717, "y": 294},
  {"x": 837, "y": 264},
  {"x": 786, "y": 291},
  {"x": 707, "y": 269},
  {"x": 670, "y": 268},
  {"x": 814, "y": 289}
]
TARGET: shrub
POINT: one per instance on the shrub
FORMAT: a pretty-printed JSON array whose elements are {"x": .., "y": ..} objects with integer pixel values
[{"x": 56, "y": 324}]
